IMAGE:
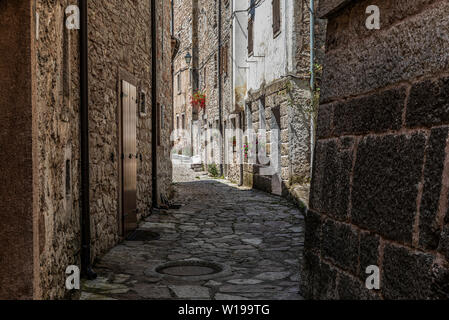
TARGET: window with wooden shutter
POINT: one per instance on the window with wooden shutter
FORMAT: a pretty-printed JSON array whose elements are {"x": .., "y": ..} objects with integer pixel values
[
  {"x": 250, "y": 37},
  {"x": 276, "y": 17},
  {"x": 224, "y": 60},
  {"x": 220, "y": 71}
]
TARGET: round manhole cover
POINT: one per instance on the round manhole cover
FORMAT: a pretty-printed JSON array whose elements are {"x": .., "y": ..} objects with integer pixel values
[{"x": 189, "y": 268}]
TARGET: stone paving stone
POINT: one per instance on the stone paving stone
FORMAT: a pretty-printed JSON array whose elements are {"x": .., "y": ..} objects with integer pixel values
[
  {"x": 258, "y": 238},
  {"x": 245, "y": 281},
  {"x": 220, "y": 296},
  {"x": 271, "y": 276},
  {"x": 190, "y": 292},
  {"x": 255, "y": 242},
  {"x": 152, "y": 292}
]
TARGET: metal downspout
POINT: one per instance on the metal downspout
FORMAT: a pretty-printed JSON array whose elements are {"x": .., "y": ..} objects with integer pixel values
[
  {"x": 312, "y": 82},
  {"x": 86, "y": 263},
  {"x": 220, "y": 93},
  {"x": 155, "y": 202}
]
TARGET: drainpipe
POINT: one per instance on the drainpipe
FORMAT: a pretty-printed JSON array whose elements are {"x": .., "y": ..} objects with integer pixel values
[
  {"x": 312, "y": 81},
  {"x": 86, "y": 264},
  {"x": 155, "y": 202},
  {"x": 172, "y": 31},
  {"x": 220, "y": 93}
]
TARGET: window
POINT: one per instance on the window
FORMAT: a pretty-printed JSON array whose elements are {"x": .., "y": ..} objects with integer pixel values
[
  {"x": 262, "y": 118},
  {"x": 276, "y": 17},
  {"x": 234, "y": 136},
  {"x": 162, "y": 117},
  {"x": 177, "y": 121},
  {"x": 250, "y": 36},
  {"x": 204, "y": 76},
  {"x": 179, "y": 82},
  {"x": 183, "y": 121},
  {"x": 142, "y": 103},
  {"x": 224, "y": 60}
]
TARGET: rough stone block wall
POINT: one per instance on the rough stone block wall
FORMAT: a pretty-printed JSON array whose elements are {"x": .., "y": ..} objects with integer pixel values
[
  {"x": 292, "y": 97},
  {"x": 57, "y": 99},
  {"x": 119, "y": 49},
  {"x": 379, "y": 191},
  {"x": 165, "y": 99}
]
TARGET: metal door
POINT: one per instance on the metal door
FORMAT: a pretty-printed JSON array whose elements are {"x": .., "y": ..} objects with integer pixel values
[{"x": 129, "y": 157}]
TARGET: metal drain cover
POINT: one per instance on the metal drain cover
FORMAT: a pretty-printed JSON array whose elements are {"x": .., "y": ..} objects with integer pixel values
[
  {"x": 143, "y": 235},
  {"x": 189, "y": 269}
]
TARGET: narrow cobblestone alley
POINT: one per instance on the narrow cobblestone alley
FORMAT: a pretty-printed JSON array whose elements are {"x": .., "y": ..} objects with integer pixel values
[{"x": 254, "y": 240}]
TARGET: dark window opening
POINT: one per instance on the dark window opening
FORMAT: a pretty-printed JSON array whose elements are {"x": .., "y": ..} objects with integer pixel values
[
  {"x": 250, "y": 37},
  {"x": 142, "y": 104},
  {"x": 276, "y": 17}
]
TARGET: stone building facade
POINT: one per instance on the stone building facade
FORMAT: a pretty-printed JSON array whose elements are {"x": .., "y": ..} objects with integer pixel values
[
  {"x": 379, "y": 190},
  {"x": 273, "y": 64},
  {"x": 207, "y": 71},
  {"x": 184, "y": 116},
  {"x": 41, "y": 190},
  {"x": 196, "y": 28},
  {"x": 235, "y": 82}
]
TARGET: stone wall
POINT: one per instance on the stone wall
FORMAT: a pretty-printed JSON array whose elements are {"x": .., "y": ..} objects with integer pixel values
[
  {"x": 57, "y": 99},
  {"x": 18, "y": 145},
  {"x": 165, "y": 99},
  {"x": 379, "y": 191},
  {"x": 184, "y": 32},
  {"x": 43, "y": 207},
  {"x": 290, "y": 91},
  {"x": 291, "y": 96},
  {"x": 119, "y": 49},
  {"x": 231, "y": 113}
]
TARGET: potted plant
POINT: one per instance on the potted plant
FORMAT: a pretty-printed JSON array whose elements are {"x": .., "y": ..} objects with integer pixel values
[{"x": 198, "y": 100}]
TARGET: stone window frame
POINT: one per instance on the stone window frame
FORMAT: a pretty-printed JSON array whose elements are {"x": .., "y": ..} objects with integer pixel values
[{"x": 179, "y": 82}]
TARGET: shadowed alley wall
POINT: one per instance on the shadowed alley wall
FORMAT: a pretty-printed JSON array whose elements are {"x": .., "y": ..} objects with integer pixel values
[
  {"x": 16, "y": 144},
  {"x": 380, "y": 183}
]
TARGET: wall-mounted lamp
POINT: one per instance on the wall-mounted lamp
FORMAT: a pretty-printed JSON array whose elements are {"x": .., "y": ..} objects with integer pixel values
[{"x": 188, "y": 58}]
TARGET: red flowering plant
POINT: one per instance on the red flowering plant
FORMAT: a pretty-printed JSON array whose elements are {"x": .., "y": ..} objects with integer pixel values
[{"x": 198, "y": 100}]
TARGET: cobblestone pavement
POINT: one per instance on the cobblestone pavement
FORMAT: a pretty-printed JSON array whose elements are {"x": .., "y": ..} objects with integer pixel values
[{"x": 255, "y": 240}]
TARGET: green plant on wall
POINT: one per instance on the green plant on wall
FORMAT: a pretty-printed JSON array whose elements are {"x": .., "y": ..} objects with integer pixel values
[
  {"x": 213, "y": 171},
  {"x": 311, "y": 107}
]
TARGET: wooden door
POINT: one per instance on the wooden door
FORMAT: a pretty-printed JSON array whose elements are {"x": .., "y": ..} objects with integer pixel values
[{"x": 129, "y": 157}]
